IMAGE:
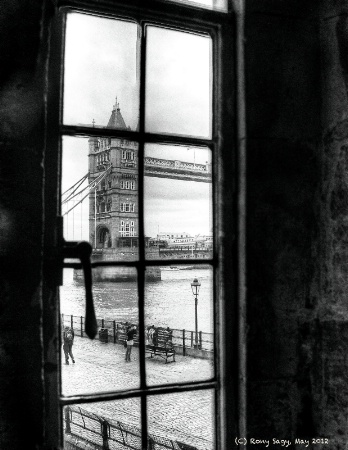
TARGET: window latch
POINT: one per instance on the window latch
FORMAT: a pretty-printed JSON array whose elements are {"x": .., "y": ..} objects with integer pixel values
[{"x": 83, "y": 250}]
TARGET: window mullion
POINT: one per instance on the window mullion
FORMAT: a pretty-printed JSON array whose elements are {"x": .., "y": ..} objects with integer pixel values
[
  {"x": 150, "y": 391},
  {"x": 153, "y": 138},
  {"x": 142, "y": 267}
]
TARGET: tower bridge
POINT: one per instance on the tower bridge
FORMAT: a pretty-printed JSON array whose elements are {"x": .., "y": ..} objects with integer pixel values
[
  {"x": 179, "y": 170},
  {"x": 112, "y": 191}
]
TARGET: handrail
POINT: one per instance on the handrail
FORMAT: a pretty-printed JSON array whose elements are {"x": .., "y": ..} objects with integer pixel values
[
  {"x": 181, "y": 338},
  {"x": 92, "y": 433}
]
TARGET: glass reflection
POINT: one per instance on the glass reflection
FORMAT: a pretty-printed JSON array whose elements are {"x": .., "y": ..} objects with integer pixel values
[
  {"x": 100, "y": 195},
  {"x": 112, "y": 425},
  {"x": 101, "y": 63},
  {"x": 179, "y": 325},
  {"x": 184, "y": 420},
  {"x": 178, "y": 83},
  {"x": 99, "y": 365}
]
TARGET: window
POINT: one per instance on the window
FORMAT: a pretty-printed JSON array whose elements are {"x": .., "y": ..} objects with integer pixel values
[
  {"x": 127, "y": 155},
  {"x": 160, "y": 26},
  {"x": 127, "y": 207},
  {"x": 127, "y": 185},
  {"x": 127, "y": 229}
]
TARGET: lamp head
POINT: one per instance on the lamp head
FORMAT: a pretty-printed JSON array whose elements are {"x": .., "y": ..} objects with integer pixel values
[{"x": 195, "y": 285}]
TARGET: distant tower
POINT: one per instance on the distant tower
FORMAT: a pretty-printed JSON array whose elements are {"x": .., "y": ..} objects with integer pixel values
[{"x": 113, "y": 206}]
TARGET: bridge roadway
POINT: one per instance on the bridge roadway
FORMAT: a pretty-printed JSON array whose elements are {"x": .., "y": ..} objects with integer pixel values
[{"x": 101, "y": 367}]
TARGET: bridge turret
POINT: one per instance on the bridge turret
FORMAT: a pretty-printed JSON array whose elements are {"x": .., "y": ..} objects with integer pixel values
[
  {"x": 93, "y": 143},
  {"x": 116, "y": 120},
  {"x": 113, "y": 215}
]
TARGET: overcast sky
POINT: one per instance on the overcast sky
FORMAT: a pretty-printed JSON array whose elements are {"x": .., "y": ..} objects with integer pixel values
[{"x": 100, "y": 65}]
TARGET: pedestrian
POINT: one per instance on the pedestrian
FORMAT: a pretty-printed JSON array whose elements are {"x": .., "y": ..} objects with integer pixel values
[
  {"x": 149, "y": 335},
  {"x": 131, "y": 331},
  {"x": 68, "y": 340}
]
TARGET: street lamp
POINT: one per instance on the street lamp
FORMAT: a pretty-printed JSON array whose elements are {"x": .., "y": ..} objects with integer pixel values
[{"x": 195, "y": 285}]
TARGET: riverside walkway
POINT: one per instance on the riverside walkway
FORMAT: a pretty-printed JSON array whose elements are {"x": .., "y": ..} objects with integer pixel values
[{"x": 101, "y": 367}]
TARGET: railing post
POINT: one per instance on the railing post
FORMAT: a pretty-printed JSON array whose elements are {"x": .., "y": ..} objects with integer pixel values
[
  {"x": 67, "y": 420},
  {"x": 72, "y": 321},
  {"x": 183, "y": 343},
  {"x": 191, "y": 339},
  {"x": 102, "y": 323},
  {"x": 200, "y": 340},
  {"x": 62, "y": 320},
  {"x": 81, "y": 326},
  {"x": 114, "y": 323},
  {"x": 105, "y": 428}
]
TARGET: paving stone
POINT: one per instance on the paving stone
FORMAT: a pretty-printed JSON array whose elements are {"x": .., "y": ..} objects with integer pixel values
[{"x": 101, "y": 367}]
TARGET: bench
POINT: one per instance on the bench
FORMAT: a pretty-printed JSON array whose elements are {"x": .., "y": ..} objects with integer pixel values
[{"x": 159, "y": 343}]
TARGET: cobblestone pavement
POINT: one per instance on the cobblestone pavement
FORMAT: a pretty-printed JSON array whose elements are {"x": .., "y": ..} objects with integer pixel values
[{"x": 100, "y": 367}]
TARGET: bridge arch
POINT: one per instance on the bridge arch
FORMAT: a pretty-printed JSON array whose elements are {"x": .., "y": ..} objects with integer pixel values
[{"x": 103, "y": 237}]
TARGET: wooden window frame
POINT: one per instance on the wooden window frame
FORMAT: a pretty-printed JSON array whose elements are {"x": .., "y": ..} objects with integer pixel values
[{"x": 228, "y": 259}]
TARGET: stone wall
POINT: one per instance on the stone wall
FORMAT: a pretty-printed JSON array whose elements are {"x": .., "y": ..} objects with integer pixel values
[
  {"x": 331, "y": 344},
  {"x": 297, "y": 219},
  {"x": 283, "y": 183},
  {"x": 23, "y": 53}
]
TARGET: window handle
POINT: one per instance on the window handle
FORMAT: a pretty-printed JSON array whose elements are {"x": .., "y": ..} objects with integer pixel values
[{"x": 83, "y": 251}]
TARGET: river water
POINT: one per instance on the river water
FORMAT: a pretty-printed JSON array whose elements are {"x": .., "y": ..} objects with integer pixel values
[{"x": 168, "y": 302}]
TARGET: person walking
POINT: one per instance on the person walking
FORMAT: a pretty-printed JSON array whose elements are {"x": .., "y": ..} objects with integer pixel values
[
  {"x": 68, "y": 340},
  {"x": 131, "y": 331}
]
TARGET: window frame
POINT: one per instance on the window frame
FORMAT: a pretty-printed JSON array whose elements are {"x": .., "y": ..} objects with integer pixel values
[{"x": 227, "y": 198}]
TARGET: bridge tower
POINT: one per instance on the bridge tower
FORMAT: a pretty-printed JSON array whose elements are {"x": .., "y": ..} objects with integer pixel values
[{"x": 113, "y": 205}]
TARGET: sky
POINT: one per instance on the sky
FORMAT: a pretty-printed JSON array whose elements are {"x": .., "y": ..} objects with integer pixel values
[{"x": 100, "y": 65}]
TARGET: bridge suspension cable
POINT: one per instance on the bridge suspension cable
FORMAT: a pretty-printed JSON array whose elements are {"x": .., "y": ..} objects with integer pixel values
[
  {"x": 73, "y": 189},
  {"x": 71, "y": 193}
]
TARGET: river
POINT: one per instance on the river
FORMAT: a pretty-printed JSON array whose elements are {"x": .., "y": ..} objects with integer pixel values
[{"x": 168, "y": 302}]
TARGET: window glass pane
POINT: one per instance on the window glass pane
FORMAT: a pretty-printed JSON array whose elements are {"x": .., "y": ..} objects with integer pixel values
[
  {"x": 99, "y": 365},
  {"x": 182, "y": 421},
  {"x": 178, "y": 83},
  {"x": 100, "y": 195},
  {"x": 178, "y": 202},
  {"x": 100, "y": 72},
  {"x": 179, "y": 325},
  {"x": 114, "y": 425},
  {"x": 210, "y": 4}
]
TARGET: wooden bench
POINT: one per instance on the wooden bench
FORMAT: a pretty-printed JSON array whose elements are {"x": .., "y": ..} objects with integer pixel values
[{"x": 159, "y": 342}]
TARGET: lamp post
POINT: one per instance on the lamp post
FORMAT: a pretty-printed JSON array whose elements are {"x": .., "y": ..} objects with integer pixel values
[{"x": 195, "y": 285}]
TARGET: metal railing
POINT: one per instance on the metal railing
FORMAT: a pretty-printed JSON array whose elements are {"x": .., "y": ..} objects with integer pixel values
[
  {"x": 116, "y": 332},
  {"x": 86, "y": 430}
]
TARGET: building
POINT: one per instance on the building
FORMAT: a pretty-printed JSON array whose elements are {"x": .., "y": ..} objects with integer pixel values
[
  {"x": 183, "y": 240},
  {"x": 113, "y": 206},
  {"x": 170, "y": 235}
]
